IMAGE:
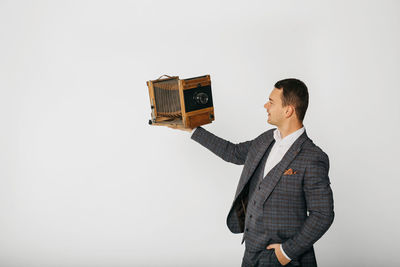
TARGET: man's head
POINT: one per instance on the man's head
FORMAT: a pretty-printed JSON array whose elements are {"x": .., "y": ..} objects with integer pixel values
[{"x": 287, "y": 103}]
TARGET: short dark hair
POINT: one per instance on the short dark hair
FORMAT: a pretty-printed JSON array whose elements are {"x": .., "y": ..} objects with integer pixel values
[{"x": 294, "y": 93}]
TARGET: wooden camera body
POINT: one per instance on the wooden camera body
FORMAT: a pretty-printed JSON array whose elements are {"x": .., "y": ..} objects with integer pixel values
[{"x": 185, "y": 103}]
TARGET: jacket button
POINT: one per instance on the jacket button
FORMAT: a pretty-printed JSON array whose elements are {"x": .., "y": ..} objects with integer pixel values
[
  {"x": 254, "y": 202},
  {"x": 251, "y": 216},
  {"x": 247, "y": 229}
]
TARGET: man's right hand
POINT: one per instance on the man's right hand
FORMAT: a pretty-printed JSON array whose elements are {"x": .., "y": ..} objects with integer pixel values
[{"x": 180, "y": 128}]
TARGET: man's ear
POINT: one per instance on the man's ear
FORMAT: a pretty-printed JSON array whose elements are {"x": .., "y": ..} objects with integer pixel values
[{"x": 289, "y": 111}]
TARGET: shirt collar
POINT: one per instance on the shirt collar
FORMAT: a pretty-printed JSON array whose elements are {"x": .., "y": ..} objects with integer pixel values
[{"x": 290, "y": 139}]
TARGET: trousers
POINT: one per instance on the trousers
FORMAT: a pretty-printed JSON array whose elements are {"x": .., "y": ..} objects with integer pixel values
[{"x": 263, "y": 258}]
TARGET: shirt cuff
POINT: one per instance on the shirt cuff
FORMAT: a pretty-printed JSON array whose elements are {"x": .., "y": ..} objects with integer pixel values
[{"x": 284, "y": 254}]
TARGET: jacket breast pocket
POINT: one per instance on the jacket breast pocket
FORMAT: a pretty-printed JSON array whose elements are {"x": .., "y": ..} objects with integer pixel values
[{"x": 291, "y": 184}]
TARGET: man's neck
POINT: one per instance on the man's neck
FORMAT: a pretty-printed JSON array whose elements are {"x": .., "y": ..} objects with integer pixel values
[{"x": 285, "y": 130}]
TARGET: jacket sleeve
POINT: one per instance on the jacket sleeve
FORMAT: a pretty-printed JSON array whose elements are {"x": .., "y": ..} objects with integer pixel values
[
  {"x": 234, "y": 153},
  {"x": 319, "y": 199}
]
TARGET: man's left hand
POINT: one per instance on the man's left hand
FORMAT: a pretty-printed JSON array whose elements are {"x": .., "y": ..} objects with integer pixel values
[{"x": 281, "y": 258}]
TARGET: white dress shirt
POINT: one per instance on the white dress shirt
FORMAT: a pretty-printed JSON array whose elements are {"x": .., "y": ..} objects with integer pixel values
[{"x": 278, "y": 150}]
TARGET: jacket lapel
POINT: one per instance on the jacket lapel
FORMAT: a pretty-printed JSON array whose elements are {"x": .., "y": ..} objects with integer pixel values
[
  {"x": 275, "y": 176},
  {"x": 262, "y": 147}
]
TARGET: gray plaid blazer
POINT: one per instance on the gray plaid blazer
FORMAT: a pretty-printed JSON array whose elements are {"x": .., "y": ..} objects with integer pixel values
[{"x": 287, "y": 197}]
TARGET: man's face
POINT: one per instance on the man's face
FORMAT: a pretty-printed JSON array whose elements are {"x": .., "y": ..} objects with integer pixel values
[{"x": 276, "y": 113}]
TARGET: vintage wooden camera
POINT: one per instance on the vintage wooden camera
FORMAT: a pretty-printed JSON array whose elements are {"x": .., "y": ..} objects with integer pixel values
[{"x": 185, "y": 103}]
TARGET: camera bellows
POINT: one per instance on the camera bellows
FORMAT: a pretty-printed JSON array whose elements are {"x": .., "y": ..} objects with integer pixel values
[{"x": 167, "y": 98}]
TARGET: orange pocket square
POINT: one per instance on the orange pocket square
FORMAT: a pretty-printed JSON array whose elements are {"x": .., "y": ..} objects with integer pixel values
[{"x": 289, "y": 172}]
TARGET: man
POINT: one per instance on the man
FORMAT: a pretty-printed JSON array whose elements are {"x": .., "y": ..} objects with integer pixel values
[{"x": 285, "y": 175}]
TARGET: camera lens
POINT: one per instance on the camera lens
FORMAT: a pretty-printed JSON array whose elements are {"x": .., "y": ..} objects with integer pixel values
[{"x": 201, "y": 98}]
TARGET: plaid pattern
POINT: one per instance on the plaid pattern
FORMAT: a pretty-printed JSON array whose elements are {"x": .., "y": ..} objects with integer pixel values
[{"x": 285, "y": 198}]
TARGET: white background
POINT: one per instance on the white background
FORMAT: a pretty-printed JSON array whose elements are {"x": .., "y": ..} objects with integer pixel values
[{"x": 85, "y": 181}]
